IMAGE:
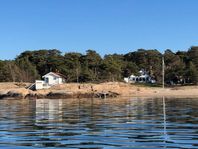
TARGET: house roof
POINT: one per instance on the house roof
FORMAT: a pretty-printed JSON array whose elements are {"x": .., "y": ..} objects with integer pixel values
[{"x": 59, "y": 75}]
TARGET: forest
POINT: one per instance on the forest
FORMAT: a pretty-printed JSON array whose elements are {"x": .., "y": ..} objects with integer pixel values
[{"x": 181, "y": 67}]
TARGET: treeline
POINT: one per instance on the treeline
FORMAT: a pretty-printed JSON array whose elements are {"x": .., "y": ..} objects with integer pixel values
[{"x": 180, "y": 67}]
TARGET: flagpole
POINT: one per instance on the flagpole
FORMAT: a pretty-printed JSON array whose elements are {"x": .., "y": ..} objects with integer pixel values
[{"x": 163, "y": 71}]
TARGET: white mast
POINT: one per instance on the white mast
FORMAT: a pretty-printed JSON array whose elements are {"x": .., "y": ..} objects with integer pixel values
[{"x": 162, "y": 71}]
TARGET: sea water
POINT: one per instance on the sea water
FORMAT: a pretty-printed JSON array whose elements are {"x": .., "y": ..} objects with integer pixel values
[{"x": 99, "y": 123}]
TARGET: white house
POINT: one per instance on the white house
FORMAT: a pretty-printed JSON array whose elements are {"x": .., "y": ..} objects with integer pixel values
[
  {"x": 144, "y": 77},
  {"x": 50, "y": 79}
]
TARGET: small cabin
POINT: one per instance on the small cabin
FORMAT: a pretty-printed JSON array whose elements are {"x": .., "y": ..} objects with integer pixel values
[{"x": 50, "y": 79}]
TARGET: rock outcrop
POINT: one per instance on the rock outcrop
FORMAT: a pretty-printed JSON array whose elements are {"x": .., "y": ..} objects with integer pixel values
[{"x": 54, "y": 94}]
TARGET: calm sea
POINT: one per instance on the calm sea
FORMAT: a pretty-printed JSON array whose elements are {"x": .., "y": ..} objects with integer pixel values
[{"x": 99, "y": 123}]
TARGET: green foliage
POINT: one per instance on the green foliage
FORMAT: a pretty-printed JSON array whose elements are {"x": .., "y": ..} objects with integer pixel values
[
  {"x": 11, "y": 72},
  {"x": 149, "y": 60},
  {"x": 91, "y": 66},
  {"x": 44, "y": 60},
  {"x": 27, "y": 70},
  {"x": 72, "y": 66},
  {"x": 174, "y": 66},
  {"x": 129, "y": 68},
  {"x": 4, "y": 73},
  {"x": 112, "y": 67},
  {"x": 191, "y": 73},
  {"x": 193, "y": 55},
  {"x": 180, "y": 67}
]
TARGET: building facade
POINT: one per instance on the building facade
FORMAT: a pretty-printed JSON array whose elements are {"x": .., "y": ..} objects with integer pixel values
[
  {"x": 50, "y": 79},
  {"x": 143, "y": 77}
]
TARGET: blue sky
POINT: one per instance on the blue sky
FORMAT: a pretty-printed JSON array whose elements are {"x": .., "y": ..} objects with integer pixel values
[{"x": 107, "y": 26}]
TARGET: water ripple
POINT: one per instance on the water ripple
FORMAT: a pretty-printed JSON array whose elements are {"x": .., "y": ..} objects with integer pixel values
[{"x": 112, "y": 124}]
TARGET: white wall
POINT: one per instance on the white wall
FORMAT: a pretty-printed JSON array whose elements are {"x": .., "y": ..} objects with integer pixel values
[
  {"x": 52, "y": 80},
  {"x": 126, "y": 80},
  {"x": 39, "y": 84},
  {"x": 60, "y": 80}
]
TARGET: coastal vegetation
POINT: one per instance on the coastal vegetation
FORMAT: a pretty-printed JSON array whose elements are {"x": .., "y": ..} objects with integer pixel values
[{"x": 181, "y": 67}]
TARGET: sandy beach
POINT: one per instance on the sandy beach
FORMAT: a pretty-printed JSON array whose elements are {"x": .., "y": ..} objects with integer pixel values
[{"x": 74, "y": 90}]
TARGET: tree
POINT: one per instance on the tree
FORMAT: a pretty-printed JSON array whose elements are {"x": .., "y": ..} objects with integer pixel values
[
  {"x": 130, "y": 68},
  {"x": 193, "y": 55},
  {"x": 27, "y": 70},
  {"x": 72, "y": 68},
  {"x": 4, "y": 73},
  {"x": 91, "y": 67},
  {"x": 10, "y": 72},
  {"x": 174, "y": 67},
  {"x": 149, "y": 60},
  {"x": 111, "y": 68},
  {"x": 44, "y": 60},
  {"x": 93, "y": 60},
  {"x": 192, "y": 73}
]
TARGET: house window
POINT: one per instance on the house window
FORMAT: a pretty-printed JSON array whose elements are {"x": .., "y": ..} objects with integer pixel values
[{"x": 54, "y": 78}]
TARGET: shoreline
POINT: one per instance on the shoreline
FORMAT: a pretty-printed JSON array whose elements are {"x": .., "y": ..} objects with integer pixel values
[{"x": 91, "y": 90}]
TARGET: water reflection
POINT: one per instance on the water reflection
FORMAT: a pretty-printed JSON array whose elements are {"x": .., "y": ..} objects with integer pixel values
[
  {"x": 93, "y": 123},
  {"x": 47, "y": 109}
]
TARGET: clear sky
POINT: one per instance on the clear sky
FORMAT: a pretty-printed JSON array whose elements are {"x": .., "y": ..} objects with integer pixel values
[{"x": 107, "y": 26}]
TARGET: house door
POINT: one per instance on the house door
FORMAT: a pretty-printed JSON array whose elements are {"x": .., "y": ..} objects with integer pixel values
[{"x": 46, "y": 80}]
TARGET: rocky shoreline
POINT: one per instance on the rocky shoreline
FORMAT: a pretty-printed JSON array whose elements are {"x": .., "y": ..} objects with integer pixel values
[
  {"x": 64, "y": 91},
  {"x": 55, "y": 95},
  {"x": 90, "y": 90}
]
